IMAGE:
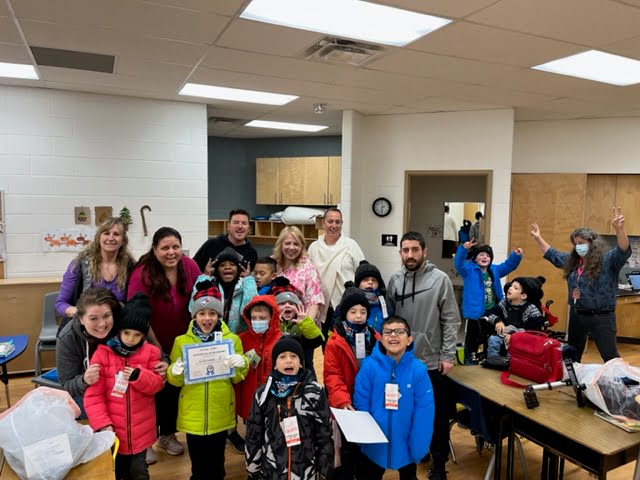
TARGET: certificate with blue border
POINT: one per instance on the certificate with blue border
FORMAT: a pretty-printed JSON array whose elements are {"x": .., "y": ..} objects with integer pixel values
[{"x": 204, "y": 362}]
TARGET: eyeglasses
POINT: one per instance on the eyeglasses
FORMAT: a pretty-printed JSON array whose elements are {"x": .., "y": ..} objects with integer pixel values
[{"x": 398, "y": 332}]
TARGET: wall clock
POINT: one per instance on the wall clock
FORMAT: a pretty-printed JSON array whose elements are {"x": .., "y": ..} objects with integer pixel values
[{"x": 381, "y": 206}]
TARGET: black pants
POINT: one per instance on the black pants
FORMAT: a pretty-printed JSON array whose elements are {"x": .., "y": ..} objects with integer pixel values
[
  {"x": 369, "y": 470},
  {"x": 167, "y": 409},
  {"x": 445, "y": 408},
  {"x": 132, "y": 467},
  {"x": 601, "y": 326},
  {"x": 477, "y": 334},
  {"x": 350, "y": 460},
  {"x": 327, "y": 326},
  {"x": 207, "y": 456}
]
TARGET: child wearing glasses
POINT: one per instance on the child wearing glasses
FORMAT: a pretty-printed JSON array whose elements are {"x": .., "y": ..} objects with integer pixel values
[
  {"x": 350, "y": 343},
  {"x": 394, "y": 387}
]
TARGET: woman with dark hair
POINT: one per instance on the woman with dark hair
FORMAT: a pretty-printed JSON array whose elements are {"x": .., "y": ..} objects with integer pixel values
[
  {"x": 166, "y": 276},
  {"x": 98, "y": 314},
  {"x": 106, "y": 263},
  {"x": 592, "y": 280}
]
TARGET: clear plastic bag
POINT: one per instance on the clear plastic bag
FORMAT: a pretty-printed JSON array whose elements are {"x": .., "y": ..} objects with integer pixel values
[
  {"x": 613, "y": 387},
  {"x": 41, "y": 439}
]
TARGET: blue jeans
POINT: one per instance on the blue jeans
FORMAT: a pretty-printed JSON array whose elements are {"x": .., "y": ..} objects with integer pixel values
[{"x": 495, "y": 346}]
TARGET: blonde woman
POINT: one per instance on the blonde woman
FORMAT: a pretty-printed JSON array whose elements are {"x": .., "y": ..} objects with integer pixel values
[{"x": 105, "y": 263}]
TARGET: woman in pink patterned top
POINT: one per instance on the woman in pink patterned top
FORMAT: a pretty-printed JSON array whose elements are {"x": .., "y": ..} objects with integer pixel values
[{"x": 294, "y": 263}]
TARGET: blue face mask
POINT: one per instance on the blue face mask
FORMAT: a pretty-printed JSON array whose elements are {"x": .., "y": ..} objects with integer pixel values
[
  {"x": 260, "y": 326},
  {"x": 582, "y": 249}
]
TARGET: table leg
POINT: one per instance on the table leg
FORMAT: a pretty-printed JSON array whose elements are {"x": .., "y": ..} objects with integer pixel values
[
  {"x": 5, "y": 380},
  {"x": 636, "y": 471}
]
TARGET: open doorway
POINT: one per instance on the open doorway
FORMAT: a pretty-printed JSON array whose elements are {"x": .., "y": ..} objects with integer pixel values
[{"x": 428, "y": 192}]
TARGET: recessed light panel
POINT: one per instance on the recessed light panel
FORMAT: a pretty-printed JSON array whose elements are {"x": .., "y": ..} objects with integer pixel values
[
  {"x": 346, "y": 18},
  {"x": 299, "y": 127},
  {"x": 235, "y": 94},
  {"x": 597, "y": 66},
  {"x": 18, "y": 70}
]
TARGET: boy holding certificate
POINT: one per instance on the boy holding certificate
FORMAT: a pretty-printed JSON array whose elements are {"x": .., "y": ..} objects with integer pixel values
[
  {"x": 288, "y": 430},
  {"x": 394, "y": 387},
  {"x": 205, "y": 361}
]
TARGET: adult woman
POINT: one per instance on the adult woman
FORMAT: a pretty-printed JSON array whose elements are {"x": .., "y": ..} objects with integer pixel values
[
  {"x": 166, "y": 277},
  {"x": 106, "y": 262},
  {"x": 293, "y": 262},
  {"x": 592, "y": 280},
  {"x": 98, "y": 311}
]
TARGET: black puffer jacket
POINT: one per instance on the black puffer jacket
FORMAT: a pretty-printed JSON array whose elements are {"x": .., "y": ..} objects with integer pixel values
[{"x": 267, "y": 454}]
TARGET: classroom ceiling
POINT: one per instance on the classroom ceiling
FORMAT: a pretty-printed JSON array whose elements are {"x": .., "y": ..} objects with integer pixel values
[{"x": 479, "y": 61}]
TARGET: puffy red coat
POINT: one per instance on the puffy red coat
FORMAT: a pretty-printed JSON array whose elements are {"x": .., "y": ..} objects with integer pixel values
[
  {"x": 132, "y": 416},
  {"x": 263, "y": 344},
  {"x": 340, "y": 368}
]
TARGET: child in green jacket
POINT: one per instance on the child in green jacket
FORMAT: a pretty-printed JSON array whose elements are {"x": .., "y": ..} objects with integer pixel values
[{"x": 206, "y": 409}]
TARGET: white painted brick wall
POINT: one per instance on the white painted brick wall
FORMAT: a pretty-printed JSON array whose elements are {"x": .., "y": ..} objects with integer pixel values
[{"x": 60, "y": 149}]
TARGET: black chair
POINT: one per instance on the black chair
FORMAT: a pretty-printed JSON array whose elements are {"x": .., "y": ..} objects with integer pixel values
[{"x": 47, "y": 338}]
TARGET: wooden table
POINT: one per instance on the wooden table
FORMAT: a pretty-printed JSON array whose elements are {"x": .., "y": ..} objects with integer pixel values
[
  {"x": 558, "y": 425},
  {"x": 100, "y": 468}
]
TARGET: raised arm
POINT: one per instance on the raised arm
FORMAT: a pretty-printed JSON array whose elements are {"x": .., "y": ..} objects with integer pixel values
[
  {"x": 618, "y": 225},
  {"x": 535, "y": 233}
]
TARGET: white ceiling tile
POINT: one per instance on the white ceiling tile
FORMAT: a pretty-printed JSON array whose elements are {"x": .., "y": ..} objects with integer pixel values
[
  {"x": 111, "y": 42},
  {"x": 265, "y": 38},
  {"x": 528, "y": 114},
  {"x": 447, "y": 8},
  {"x": 222, "y": 7},
  {"x": 585, "y": 22},
  {"x": 478, "y": 42},
  {"x": 14, "y": 53},
  {"x": 9, "y": 32},
  {"x": 498, "y": 97},
  {"x": 440, "y": 104},
  {"x": 127, "y": 16},
  {"x": 627, "y": 48}
]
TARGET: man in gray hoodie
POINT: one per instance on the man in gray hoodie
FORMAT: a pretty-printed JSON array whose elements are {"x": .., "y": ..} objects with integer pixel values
[{"x": 423, "y": 295}]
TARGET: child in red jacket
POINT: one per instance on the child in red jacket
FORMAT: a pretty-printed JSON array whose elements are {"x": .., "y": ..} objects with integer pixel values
[
  {"x": 123, "y": 398},
  {"x": 263, "y": 322},
  {"x": 352, "y": 340}
]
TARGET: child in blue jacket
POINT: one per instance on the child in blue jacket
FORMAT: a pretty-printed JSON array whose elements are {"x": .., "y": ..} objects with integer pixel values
[
  {"x": 394, "y": 387},
  {"x": 482, "y": 289}
]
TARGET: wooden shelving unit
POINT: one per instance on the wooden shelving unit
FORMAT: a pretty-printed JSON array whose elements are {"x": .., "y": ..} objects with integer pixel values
[{"x": 265, "y": 232}]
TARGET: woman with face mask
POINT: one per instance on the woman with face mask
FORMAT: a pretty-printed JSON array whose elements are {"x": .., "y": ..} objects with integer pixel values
[{"x": 592, "y": 279}]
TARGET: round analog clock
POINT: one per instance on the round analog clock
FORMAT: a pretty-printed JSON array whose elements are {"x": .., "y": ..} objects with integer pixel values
[{"x": 381, "y": 206}]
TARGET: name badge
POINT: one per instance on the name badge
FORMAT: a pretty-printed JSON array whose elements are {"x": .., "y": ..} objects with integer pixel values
[
  {"x": 391, "y": 396},
  {"x": 383, "y": 307},
  {"x": 120, "y": 387},
  {"x": 575, "y": 295},
  {"x": 217, "y": 336},
  {"x": 291, "y": 431},
  {"x": 361, "y": 350}
]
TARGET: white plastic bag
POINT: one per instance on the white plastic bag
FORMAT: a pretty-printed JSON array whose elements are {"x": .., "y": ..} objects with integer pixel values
[
  {"x": 301, "y": 215},
  {"x": 41, "y": 438},
  {"x": 608, "y": 387}
]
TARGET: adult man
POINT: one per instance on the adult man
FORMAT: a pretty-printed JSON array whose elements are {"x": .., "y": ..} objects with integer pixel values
[
  {"x": 236, "y": 239},
  {"x": 423, "y": 295},
  {"x": 336, "y": 257},
  {"x": 449, "y": 234},
  {"x": 477, "y": 229}
]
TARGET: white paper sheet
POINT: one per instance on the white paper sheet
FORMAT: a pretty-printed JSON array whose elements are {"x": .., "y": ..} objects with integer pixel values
[{"x": 359, "y": 427}]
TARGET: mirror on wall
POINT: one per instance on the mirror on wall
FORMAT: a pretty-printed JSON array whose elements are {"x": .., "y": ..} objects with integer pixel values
[{"x": 461, "y": 220}]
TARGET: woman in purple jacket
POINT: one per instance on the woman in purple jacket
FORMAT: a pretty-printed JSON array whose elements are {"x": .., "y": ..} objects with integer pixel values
[{"x": 106, "y": 263}]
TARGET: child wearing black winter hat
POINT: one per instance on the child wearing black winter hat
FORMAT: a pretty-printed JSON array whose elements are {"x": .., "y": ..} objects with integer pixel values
[
  {"x": 123, "y": 398},
  {"x": 519, "y": 311},
  {"x": 369, "y": 280},
  {"x": 288, "y": 430},
  {"x": 482, "y": 289}
]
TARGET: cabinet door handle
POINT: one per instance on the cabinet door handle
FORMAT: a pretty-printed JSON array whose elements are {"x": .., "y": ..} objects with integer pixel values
[
  {"x": 275, "y": 197},
  {"x": 331, "y": 198}
]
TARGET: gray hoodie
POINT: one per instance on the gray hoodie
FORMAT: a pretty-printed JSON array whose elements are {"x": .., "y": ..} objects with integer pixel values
[
  {"x": 426, "y": 300},
  {"x": 73, "y": 352}
]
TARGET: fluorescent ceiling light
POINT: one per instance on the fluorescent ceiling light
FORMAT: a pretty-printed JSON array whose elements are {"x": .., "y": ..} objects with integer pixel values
[
  {"x": 346, "y": 18},
  {"x": 597, "y": 66},
  {"x": 235, "y": 94},
  {"x": 18, "y": 70},
  {"x": 299, "y": 127}
]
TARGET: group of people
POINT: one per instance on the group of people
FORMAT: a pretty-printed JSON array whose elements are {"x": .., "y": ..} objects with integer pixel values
[{"x": 387, "y": 349}]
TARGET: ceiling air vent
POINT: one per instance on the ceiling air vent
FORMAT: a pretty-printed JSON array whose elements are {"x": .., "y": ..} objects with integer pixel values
[
  {"x": 224, "y": 121},
  {"x": 337, "y": 50},
  {"x": 92, "y": 62}
]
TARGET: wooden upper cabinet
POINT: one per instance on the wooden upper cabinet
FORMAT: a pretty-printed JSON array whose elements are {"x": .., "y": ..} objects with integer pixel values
[
  {"x": 298, "y": 180},
  {"x": 335, "y": 180},
  {"x": 267, "y": 184},
  {"x": 600, "y": 197},
  {"x": 316, "y": 174},
  {"x": 628, "y": 199}
]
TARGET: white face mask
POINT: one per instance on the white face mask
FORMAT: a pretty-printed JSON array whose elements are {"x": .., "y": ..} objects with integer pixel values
[
  {"x": 582, "y": 249},
  {"x": 260, "y": 326}
]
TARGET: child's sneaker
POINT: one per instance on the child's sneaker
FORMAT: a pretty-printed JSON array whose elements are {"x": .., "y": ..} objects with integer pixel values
[
  {"x": 171, "y": 444},
  {"x": 150, "y": 457},
  {"x": 236, "y": 441}
]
